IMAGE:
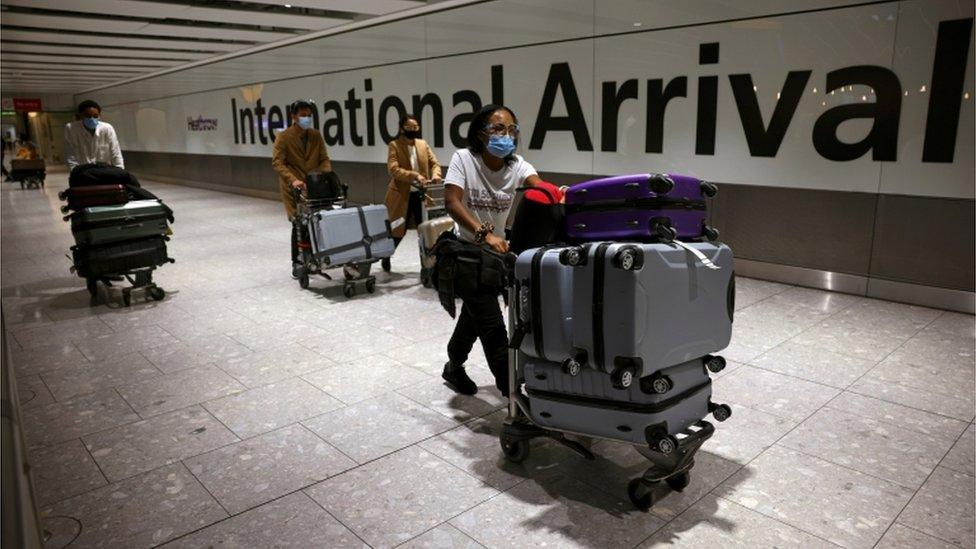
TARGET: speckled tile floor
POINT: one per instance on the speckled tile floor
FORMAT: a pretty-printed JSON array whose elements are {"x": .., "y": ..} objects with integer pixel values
[{"x": 242, "y": 411}]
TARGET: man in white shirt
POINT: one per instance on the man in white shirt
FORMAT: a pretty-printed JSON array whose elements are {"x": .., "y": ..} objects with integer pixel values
[{"x": 89, "y": 140}]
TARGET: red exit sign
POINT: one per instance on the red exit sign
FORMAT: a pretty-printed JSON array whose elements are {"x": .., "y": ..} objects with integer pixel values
[{"x": 30, "y": 105}]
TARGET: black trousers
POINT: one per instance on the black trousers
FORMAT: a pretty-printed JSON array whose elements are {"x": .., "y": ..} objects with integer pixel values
[
  {"x": 413, "y": 213},
  {"x": 481, "y": 318},
  {"x": 295, "y": 233}
]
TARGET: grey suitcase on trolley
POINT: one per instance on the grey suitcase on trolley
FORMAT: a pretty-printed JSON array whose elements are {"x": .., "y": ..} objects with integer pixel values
[
  {"x": 130, "y": 221},
  {"x": 587, "y": 405},
  {"x": 638, "y": 308},
  {"x": 359, "y": 234},
  {"x": 544, "y": 304}
]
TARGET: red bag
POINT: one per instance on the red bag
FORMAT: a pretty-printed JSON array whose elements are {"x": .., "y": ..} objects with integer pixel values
[{"x": 540, "y": 218}]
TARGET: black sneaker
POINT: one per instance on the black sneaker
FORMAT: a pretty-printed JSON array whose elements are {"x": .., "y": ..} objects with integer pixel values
[
  {"x": 386, "y": 264},
  {"x": 458, "y": 379}
]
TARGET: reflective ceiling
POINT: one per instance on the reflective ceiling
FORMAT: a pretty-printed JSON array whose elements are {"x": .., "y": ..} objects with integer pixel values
[{"x": 66, "y": 46}]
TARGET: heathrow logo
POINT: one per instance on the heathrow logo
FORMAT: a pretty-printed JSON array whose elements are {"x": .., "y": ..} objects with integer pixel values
[{"x": 201, "y": 124}]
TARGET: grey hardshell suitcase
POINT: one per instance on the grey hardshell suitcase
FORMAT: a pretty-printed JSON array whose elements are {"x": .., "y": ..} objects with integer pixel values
[
  {"x": 551, "y": 377},
  {"x": 638, "y": 308},
  {"x": 133, "y": 220},
  {"x": 544, "y": 288},
  {"x": 639, "y": 423},
  {"x": 359, "y": 234}
]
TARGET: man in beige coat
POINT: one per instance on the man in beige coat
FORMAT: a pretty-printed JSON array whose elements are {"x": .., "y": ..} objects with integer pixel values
[
  {"x": 298, "y": 150},
  {"x": 410, "y": 161}
]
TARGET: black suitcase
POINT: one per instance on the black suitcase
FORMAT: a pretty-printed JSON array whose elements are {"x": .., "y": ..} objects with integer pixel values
[{"x": 122, "y": 257}]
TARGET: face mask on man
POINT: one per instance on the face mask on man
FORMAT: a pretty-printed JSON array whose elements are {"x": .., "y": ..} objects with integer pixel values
[
  {"x": 305, "y": 122},
  {"x": 90, "y": 123},
  {"x": 411, "y": 134},
  {"x": 501, "y": 145}
]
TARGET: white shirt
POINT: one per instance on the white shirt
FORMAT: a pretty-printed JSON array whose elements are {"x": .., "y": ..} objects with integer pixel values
[
  {"x": 81, "y": 147},
  {"x": 487, "y": 194},
  {"x": 413, "y": 163}
]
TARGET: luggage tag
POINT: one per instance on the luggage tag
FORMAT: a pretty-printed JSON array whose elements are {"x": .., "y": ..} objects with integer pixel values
[{"x": 701, "y": 257}]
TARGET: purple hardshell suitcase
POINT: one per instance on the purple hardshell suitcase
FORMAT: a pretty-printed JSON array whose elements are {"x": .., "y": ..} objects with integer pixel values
[{"x": 644, "y": 207}]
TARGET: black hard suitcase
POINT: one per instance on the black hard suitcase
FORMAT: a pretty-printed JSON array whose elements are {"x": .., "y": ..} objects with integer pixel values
[
  {"x": 131, "y": 221},
  {"x": 123, "y": 257}
]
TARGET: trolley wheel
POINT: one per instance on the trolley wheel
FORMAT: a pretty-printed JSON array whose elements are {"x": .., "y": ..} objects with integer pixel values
[
  {"x": 679, "y": 482},
  {"x": 641, "y": 495},
  {"x": 515, "y": 451},
  {"x": 715, "y": 364},
  {"x": 157, "y": 293},
  {"x": 710, "y": 233},
  {"x": 722, "y": 412},
  {"x": 371, "y": 285},
  {"x": 127, "y": 299},
  {"x": 425, "y": 277},
  {"x": 623, "y": 377},
  {"x": 348, "y": 290},
  {"x": 303, "y": 280}
]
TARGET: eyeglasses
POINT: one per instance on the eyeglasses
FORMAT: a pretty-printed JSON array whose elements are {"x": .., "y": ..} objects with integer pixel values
[{"x": 502, "y": 129}]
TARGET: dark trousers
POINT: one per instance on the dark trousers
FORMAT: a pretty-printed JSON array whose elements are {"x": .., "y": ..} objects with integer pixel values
[
  {"x": 481, "y": 318},
  {"x": 294, "y": 243},
  {"x": 413, "y": 213}
]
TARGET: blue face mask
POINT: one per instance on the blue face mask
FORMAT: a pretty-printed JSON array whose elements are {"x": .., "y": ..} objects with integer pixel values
[
  {"x": 305, "y": 122},
  {"x": 501, "y": 145},
  {"x": 90, "y": 123}
]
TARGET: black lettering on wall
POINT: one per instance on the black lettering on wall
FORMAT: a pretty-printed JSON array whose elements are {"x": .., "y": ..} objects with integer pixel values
[
  {"x": 765, "y": 140},
  {"x": 233, "y": 117},
  {"x": 276, "y": 121},
  {"x": 247, "y": 117},
  {"x": 882, "y": 140},
  {"x": 332, "y": 130},
  {"x": 259, "y": 115},
  {"x": 352, "y": 105},
  {"x": 433, "y": 101},
  {"x": 708, "y": 54},
  {"x": 401, "y": 109},
  {"x": 370, "y": 132},
  {"x": 657, "y": 103},
  {"x": 948, "y": 78},
  {"x": 612, "y": 98},
  {"x": 560, "y": 80},
  {"x": 497, "y": 85},
  {"x": 471, "y": 97}
]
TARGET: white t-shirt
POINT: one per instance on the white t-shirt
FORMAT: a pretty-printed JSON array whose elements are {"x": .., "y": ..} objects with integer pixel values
[{"x": 488, "y": 194}]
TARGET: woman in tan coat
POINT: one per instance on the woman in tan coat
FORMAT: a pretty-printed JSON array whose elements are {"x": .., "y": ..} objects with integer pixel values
[{"x": 410, "y": 162}]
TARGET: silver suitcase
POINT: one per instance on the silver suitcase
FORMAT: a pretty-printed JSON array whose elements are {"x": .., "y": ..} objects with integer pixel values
[
  {"x": 545, "y": 304},
  {"x": 639, "y": 308},
  {"x": 630, "y": 417},
  {"x": 358, "y": 234}
]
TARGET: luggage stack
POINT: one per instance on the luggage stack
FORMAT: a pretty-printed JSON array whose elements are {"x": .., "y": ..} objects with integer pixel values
[
  {"x": 120, "y": 229},
  {"x": 434, "y": 222},
  {"x": 614, "y": 332}
]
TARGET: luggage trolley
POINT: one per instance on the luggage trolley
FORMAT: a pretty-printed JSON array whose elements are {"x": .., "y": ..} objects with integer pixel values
[
  {"x": 139, "y": 278},
  {"x": 353, "y": 273},
  {"x": 29, "y": 173},
  {"x": 434, "y": 221},
  {"x": 671, "y": 457}
]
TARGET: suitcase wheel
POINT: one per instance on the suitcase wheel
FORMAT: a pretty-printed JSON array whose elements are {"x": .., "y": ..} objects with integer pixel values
[
  {"x": 710, "y": 233},
  {"x": 709, "y": 189},
  {"x": 629, "y": 259},
  {"x": 572, "y": 367},
  {"x": 666, "y": 444},
  {"x": 661, "y": 183},
  {"x": 721, "y": 412},
  {"x": 348, "y": 290},
  {"x": 623, "y": 377},
  {"x": 641, "y": 494},
  {"x": 572, "y": 256},
  {"x": 715, "y": 364},
  {"x": 661, "y": 385}
]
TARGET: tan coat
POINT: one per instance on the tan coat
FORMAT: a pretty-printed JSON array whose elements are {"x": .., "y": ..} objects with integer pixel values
[
  {"x": 401, "y": 175},
  {"x": 293, "y": 159}
]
